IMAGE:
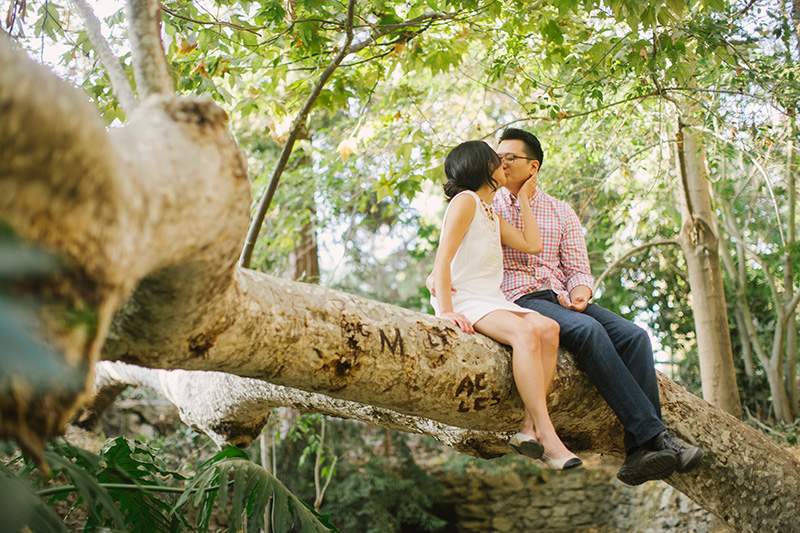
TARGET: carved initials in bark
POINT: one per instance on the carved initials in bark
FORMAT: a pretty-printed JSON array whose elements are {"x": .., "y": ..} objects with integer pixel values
[{"x": 393, "y": 346}]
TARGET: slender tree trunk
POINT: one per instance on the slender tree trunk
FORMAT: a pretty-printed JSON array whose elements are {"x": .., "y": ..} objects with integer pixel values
[
  {"x": 747, "y": 350},
  {"x": 700, "y": 247},
  {"x": 304, "y": 258},
  {"x": 790, "y": 365}
]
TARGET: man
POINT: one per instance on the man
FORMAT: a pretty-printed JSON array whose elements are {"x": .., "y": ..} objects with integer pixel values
[{"x": 614, "y": 353}]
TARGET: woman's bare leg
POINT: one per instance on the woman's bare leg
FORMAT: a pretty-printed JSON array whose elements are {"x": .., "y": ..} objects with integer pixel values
[
  {"x": 529, "y": 375},
  {"x": 548, "y": 330}
]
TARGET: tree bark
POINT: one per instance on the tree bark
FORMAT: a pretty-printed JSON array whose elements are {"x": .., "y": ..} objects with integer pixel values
[
  {"x": 119, "y": 81},
  {"x": 147, "y": 220},
  {"x": 233, "y": 410},
  {"x": 790, "y": 365},
  {"x": 149, "y": 62},
  {"x": 701, "y": 248}
]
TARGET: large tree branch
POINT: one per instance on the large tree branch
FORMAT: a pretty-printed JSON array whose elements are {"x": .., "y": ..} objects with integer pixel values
[
  {"x": 119, "y": 81},
  {"x": 58, "y": 160},
  {"x": 233, "y": 410},
  {"x": 149, "y": 62}
]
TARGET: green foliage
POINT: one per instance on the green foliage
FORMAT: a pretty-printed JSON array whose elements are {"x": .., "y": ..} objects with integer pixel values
[
  {"x": 126, "y": 487},
  {"x": 252, "y": 489},
  {"x": 21, "y": 507},
  {"x": 377, "y": 486},
  {"x": 385, "y": 496}
]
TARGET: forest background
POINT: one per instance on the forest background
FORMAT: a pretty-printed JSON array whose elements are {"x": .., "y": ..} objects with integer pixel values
[{"x": 345, "y": 151}]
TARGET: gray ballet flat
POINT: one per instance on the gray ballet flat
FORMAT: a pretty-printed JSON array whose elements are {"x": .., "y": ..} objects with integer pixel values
[
  {"x": 567, "y": 463},
  {"x": 526, "y": 445}
]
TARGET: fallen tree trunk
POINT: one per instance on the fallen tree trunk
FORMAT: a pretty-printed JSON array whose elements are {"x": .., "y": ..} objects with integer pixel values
[{"x": 147, "y": 221}]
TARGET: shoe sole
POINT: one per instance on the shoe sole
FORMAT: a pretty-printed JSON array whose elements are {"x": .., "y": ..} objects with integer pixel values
[
  {"x": 657, "y": 466},
  {"x": 690, "y": 463},
  {"x": 532, "y": 449}
]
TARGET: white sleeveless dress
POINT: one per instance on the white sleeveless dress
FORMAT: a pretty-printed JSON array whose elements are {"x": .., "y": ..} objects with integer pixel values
[{"x": 476, "y": 270}]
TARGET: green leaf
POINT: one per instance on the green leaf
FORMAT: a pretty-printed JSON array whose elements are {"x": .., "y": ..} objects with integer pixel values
[
  {"x": 22, "y": 509},
  {"x": 552, "y": 32},
  {"x": 98, "y": 501}
]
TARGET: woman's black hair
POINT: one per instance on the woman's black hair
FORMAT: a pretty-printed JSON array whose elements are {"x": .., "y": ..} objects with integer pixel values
[{"x": 469, "y": 166}]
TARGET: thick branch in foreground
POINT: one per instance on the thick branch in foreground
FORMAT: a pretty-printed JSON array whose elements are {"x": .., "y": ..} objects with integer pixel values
[{"x": 58, "y": 161}]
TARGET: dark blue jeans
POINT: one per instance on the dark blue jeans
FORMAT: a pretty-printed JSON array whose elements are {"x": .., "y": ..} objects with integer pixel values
[{"x": 617, "y": 357}]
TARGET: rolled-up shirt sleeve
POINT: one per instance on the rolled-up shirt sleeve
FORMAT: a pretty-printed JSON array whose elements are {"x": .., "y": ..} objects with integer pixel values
[{"x": 573, "y": 256}]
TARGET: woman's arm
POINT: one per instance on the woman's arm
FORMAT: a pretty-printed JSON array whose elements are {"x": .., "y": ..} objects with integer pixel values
[
  {"x": 455, "y": 225},
  {"x": 528, "y": 240}
]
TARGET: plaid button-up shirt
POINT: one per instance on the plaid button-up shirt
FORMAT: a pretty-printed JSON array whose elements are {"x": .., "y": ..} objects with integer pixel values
[{"x": 563, "y": 262}]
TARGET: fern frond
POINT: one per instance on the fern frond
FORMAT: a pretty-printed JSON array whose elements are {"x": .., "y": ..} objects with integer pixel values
[
  {"x": 252, "y": 488},
  {"x": 129, "y": 474},
  {"x": 96, "y": 497}
]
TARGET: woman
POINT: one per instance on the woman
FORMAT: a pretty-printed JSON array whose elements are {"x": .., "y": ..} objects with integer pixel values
[{"x": 467, "y": 274}]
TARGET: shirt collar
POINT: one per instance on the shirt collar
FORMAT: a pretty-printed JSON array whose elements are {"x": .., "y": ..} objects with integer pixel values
[{"x": 514, "y": 201}]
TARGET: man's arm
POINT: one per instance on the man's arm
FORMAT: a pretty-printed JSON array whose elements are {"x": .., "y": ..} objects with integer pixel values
[{"x": 575, "y": 262}]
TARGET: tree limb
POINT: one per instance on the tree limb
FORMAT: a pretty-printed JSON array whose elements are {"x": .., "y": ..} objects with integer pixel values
[
  {"x": 297, "y": 126},
  {"x": 233, "y": 410},
  {"x": 119, "y": 81},
  {"x": 149, "y": 62},
  {"x": 237, "y": 27},
  {"x": 679, "y": 148},
  {"x": 628, "y": 255}
]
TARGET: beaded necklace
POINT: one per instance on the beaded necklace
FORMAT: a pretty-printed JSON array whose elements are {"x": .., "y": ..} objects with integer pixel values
[{"x": 487, "y": 208}]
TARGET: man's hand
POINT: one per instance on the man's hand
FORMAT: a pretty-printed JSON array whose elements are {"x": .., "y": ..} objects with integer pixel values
[
  {"x": 579, "y": 297},
  {"x": 431, "y": 285},
  {"x": 460, "y": 321}
]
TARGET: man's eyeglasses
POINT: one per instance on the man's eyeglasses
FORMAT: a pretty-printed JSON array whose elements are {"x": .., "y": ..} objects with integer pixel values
[{"x": 510, "y": 158}]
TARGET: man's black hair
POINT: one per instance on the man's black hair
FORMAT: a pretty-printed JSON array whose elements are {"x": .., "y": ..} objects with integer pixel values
[
  {"x": 533, "y": 148},
  {"x": 469, "y": 166}
]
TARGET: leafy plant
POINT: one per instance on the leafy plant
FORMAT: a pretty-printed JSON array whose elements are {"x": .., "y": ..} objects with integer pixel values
[
  {"x": 386, "y": 494},
  {"x": 252, "y": 489},
  {"x": 378, "y": 486},
  {"x": 125, "y": 488}
]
